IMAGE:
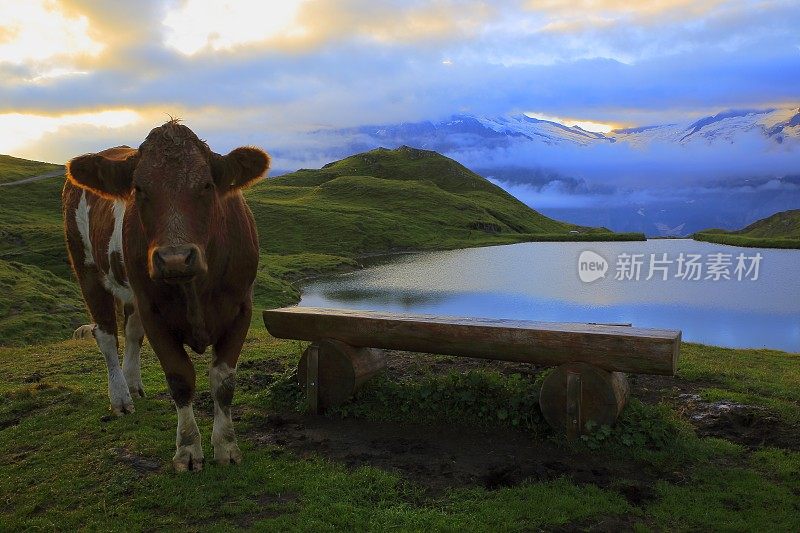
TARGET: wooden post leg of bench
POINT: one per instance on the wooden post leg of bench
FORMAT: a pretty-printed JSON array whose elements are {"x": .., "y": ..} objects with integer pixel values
[
  {"x": 574, "y": 392},
  {"x": 332, "y": 371},
  {"x": 312, "y": 378},
  {"x": 577, "y": 394}
]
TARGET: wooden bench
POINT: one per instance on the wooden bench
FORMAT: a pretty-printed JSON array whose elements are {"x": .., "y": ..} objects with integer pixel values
[{"x": 588, "y": 385}]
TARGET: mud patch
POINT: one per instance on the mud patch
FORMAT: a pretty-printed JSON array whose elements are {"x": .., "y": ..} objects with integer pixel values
[
  {"x": 603, "y": 524},
  {"x": 257, "y": 375},
  {"x": 438, "y": 458},
  {"x": 408, "y": 365},
  {"x": 271, "y": 505},
  {"x": 140, "y": 464},
  {"x": 749, "y": 425}
]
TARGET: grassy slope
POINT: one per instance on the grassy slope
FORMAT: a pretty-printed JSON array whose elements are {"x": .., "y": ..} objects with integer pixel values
[
  {"x": 386, "y": 200},
  {"x": 37, "y": 306},
  {"x": 31, "y": 230},
  {"x": 781, "y": 230},
  {"x": 14, "y": 168},
  {"x": 65, "y": 465},
  {"x": 315, "y": 221}
]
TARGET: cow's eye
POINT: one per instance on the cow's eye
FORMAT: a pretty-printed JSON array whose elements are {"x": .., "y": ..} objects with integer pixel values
[
  {"x": 208, "y": 186},
  {"x": 140, "y": 194}
]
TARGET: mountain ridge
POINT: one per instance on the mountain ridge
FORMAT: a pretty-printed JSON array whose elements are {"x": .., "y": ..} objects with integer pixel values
[{"x": 777, "y": 125}]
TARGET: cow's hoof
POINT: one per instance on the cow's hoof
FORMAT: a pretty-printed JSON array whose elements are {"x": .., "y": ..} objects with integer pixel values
[
  {"x": 84, "y": 332},
  {"x": 137, "y": 392},
  {"x": 188, "y": 458},
  {"x": 122, "y": 409},
  {"x": 227, "y": 453}
]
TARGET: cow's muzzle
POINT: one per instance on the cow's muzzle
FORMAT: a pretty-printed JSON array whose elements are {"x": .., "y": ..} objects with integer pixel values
[{"x": 177, "y": 264}]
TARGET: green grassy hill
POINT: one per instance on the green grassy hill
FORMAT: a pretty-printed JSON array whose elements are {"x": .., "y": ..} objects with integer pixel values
[
  {"x": 309, "y": 222},
  {"x": 31, "y": 228},
  {"x": 36, "y": 305},
  {"x": 14, "y": 168},
  {"x": 781, "y": 230},
  {"x": 393, "y": 200}
]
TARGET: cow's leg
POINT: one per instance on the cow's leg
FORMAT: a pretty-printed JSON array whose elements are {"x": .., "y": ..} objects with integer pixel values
[
  {"x": 85, "y": 331},
  {"x": 180, "y": 375},
  {"x": 223, "y": 382},
  {"x": 131, "y": 366},
  {"x": 101, "y": 306},
  {"x": 99, "y": 301}
]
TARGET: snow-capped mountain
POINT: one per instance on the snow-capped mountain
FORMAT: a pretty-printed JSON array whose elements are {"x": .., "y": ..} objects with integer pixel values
[
  {"x": 464, "y": 132},
  {"x": 724, "y": 170},
  {"x": 779, "y": 125}
]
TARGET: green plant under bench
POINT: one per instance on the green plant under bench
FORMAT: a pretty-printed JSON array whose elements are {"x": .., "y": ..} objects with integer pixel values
[{"x": 587, "y": 389}]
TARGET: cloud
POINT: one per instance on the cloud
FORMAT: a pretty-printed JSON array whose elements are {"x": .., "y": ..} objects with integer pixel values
[
  {"x": 35, "y": 33},
  {"x": 354, "y": 62},
  {"x": 246, "y": 27},
  {"x": 17, "y": 131},
  {"x": 637, "y": 10}
]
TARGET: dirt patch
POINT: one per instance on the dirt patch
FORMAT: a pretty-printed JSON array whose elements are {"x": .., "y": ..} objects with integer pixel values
[
  {"x": 270, "y": 506},
  {"x": 140, "y": 464},
  {"x": 442, "y": 457},
  {"x": 601, "y": 524},
  {"x": 749, "y": 425},
  {"x": 407, "y": 365},
  {"x": 257, "y": 375}
]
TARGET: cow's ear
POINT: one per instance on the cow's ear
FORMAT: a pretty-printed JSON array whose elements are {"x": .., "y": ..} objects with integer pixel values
[
  {"x": 108, "y": 173},
  {"x": 240, "y": 168}
]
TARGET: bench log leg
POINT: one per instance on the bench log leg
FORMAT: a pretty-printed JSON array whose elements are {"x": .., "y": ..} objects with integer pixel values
[
  {"x": 339, "y": 372},
  {"x": 575, "y": 394}
]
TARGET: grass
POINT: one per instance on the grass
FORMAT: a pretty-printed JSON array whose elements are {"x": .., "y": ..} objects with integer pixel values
[
  {"x": 14, "y": 168},
  {"x": 64, "y": 464},
  {"x": 31, "y": 227},
  {"x": 781, "y": 230},
  {"x": 768, "y": 378},
  {"x": 747, "y": 242},
  {"x": 39, "y": 306}
]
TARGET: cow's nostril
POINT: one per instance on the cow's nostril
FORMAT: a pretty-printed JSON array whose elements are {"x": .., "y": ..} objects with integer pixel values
[
  {"x": 158, "y": 260},
  {"x": 190, "y": 257}
]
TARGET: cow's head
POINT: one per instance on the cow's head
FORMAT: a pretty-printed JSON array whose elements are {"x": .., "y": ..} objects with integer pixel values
[{"x": 177, "y": 184}]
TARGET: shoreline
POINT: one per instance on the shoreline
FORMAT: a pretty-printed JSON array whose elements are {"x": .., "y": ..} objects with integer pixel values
[{"x": 743, "y": 241}]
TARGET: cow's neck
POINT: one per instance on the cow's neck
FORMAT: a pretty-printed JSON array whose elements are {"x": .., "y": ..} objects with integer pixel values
[
  {"x": 217, "y": 256},
  {"x": 194, "y": 314}
]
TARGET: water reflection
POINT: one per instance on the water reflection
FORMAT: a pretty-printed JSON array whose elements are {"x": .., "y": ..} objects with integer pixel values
[
  {"x": 401, "y": 299},
  {"x": 539, "y": 281}
]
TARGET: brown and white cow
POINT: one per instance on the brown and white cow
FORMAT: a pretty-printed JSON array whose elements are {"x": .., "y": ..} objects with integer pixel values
[{"x": 165, "y": 231}]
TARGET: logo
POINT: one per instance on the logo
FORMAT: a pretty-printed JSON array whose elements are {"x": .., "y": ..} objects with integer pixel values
[{"x": 591, "y": 266}]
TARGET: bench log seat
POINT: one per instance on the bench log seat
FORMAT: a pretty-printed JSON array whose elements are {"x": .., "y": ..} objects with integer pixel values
[{"x": 588, "y": 385}]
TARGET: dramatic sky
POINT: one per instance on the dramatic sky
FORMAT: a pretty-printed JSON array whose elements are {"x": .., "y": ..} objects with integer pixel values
[{"x": 81, "y": 75}]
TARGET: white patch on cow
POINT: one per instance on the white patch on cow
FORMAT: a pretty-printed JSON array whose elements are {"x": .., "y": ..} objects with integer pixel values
[
  {"x": 120, "y": 289},
  {"x": 118, "y": 393},
  {"x": 188, "y": 446},
  {"x": 115, "y": 245},
  {"x": 223, "y": 436},
  {"x": 121, "y": 292},
  {"x": 131, "y": 366},
  {"x": 82, "y": 220}
]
